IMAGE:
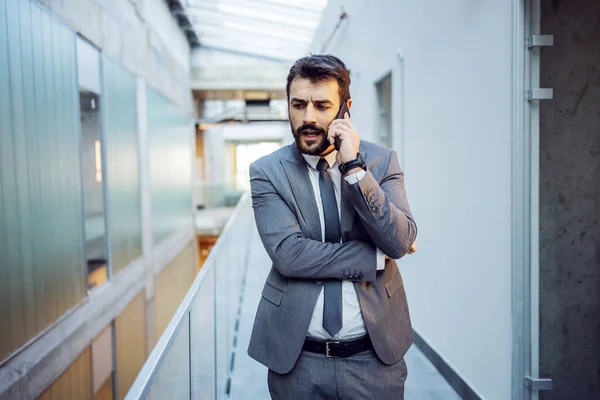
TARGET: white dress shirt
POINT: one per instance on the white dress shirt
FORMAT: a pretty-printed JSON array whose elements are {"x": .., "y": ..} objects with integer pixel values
[{"x": 353, "y": 324}]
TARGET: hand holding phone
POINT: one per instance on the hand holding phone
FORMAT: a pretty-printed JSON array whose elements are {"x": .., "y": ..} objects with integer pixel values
[{"x": 340, "y": 115}]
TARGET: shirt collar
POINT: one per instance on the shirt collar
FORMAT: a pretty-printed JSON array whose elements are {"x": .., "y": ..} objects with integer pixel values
[{"x": 313, "y": 160}]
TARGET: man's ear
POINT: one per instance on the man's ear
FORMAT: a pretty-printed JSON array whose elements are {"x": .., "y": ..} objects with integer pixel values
[{"x": 349, "y": 104}]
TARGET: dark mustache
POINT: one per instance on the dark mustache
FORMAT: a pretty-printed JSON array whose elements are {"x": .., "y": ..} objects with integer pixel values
[{"x": 308, "y": 127}]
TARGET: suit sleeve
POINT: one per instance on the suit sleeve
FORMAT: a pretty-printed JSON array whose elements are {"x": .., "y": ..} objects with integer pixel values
[
  {"x": 296, "y": 256},
  {"x": 384, "y": 210}
]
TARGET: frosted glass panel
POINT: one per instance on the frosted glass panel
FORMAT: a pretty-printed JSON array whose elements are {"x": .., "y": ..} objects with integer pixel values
[
  {"x": 121, "y": 164},
  {"x": 42, "y": 270},
  {"x": 171, "y": 142}
]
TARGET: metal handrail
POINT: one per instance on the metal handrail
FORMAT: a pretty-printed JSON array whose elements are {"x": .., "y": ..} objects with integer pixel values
[{"x": 145, "y": 378}]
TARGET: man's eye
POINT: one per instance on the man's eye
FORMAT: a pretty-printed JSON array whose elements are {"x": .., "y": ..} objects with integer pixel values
[{"x": 298, "y": 106}]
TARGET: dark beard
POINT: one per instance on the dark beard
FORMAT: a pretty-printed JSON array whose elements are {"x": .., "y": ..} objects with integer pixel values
[{"x": 316, "y": 149}]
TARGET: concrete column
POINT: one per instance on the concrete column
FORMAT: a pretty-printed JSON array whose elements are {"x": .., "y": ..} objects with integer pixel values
[{"x": 570, "y": 201}]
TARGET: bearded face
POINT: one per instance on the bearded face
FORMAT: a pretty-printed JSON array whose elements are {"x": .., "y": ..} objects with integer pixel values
[
  {"x": 312, "y": 108},
  {"x": 310, "y": 139}
]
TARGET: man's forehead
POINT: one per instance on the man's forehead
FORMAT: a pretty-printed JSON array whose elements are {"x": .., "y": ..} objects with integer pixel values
[{"x": 302, "y": 88}]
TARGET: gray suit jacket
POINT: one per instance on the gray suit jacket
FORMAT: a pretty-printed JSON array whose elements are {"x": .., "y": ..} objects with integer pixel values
[{"x": 374, "y": 213}]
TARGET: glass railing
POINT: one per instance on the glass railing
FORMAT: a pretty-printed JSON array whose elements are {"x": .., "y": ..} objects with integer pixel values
[
  {"x": 192, "y": 358},
  {"x": 216, "y": 194}
]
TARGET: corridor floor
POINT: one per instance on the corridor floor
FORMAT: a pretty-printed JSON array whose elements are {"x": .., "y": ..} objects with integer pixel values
[{"x": 249, "y": 378}]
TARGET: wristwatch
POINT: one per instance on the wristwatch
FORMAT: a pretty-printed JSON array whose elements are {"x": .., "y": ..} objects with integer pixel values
[{"x": 357, "y": 162}]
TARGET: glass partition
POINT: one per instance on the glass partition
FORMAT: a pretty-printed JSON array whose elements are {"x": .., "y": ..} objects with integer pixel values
[
  {"x": 193, "y": 357},
  {"x": 202, "y": 348},
  {"x": 173, "y": 378}
]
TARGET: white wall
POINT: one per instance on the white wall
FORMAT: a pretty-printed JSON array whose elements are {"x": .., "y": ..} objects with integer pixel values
[
  {"x": 452, "y": 88},
  {"x": 220, "y": 70}
]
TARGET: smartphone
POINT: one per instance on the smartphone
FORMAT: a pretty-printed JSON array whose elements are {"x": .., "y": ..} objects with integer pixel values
[{"x": 340, "y": 115}]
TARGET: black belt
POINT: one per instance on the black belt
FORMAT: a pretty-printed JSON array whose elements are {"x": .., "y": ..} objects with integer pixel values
[{"x": 338, "y": 349}]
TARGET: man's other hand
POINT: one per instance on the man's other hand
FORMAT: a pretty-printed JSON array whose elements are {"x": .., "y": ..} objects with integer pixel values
[{"x": 412, "y": 249}]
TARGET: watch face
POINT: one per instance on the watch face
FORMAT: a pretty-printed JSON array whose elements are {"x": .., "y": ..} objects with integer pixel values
[{"x": 342, "y": 168}]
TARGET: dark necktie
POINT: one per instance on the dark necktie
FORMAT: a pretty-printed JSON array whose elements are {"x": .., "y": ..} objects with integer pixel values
[{"x": 332, "y": 307}]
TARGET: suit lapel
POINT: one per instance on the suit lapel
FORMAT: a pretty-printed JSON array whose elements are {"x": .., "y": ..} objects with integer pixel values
[{"x": 297, "y": 174}]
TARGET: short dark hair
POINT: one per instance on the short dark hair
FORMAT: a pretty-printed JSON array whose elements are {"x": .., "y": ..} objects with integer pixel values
[{"x": 319, "y": 68}]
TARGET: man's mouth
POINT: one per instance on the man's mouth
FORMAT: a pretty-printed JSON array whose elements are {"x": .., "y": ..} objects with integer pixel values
[{"x": 311, "y": 133}]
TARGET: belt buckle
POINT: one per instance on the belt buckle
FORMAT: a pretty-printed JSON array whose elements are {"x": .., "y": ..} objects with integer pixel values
[{"x": 327, "y": 349}]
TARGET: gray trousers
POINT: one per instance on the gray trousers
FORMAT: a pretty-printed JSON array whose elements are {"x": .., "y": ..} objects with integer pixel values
[{"x": 362, "y": 377}]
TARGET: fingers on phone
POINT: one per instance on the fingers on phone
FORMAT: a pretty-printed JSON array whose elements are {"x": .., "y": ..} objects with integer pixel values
[{"x": 331, "y": 136}]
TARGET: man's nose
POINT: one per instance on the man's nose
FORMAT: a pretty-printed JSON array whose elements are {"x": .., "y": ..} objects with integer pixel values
[{"x": 310, "y": 116}]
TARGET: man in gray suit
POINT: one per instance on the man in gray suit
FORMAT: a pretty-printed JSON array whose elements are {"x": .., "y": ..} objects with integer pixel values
[{"x": 333, "y": 320}]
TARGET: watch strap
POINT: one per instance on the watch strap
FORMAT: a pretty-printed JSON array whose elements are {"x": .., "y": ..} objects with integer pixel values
[{"x": 357, "y": 162}]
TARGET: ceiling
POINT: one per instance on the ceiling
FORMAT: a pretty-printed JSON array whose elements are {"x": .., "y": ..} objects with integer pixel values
[
  {"x": 274, "y": 29},
  {"x": 239, "y": 94}
]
